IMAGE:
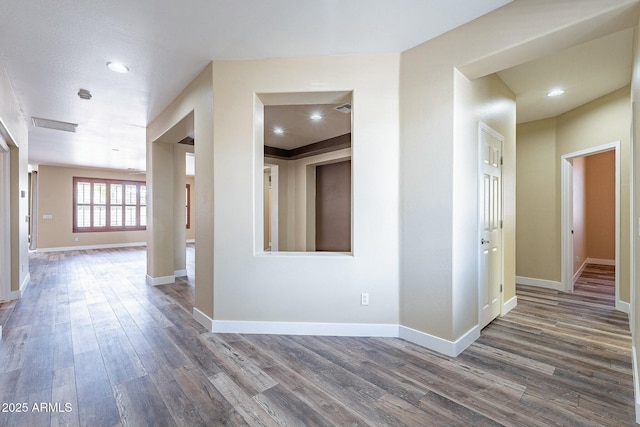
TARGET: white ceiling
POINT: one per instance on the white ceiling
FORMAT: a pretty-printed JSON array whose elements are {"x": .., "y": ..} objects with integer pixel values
[
  {"x": 586, "y": 72},
  {"x": 50, "y": 50}
]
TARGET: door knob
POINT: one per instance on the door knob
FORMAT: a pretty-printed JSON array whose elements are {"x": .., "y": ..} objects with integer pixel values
[{"x": 484, "y": 241}]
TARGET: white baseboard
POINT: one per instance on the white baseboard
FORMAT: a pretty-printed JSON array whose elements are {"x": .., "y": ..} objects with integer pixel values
[
  {"x": 163, "y": 280},
  {"x": 306, "y": 328},
  {"x": 509, "y": 305},
  {"x": 540, "y": 283},
  {"x": 203, "y": 319},
  {"x": 577, "y": 274},
  {"x": 14, "y": 295},
  {"x": 89, "y": 247},
  {"x": 25, "y": 283},
  {"x": 601, "y": 261},
  {"x": 450, "y": 348},
  {"x": 636, "y": 382},
  {"x": 180, "y": 273},
  {"x": 624, "y": 307}
]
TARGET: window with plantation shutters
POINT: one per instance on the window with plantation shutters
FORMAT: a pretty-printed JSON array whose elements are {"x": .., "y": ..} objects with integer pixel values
[{"x": 108, "y": 205}]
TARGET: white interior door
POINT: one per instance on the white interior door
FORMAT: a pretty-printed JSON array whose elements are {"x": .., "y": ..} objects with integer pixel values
[{"x": 490, "y": 224}]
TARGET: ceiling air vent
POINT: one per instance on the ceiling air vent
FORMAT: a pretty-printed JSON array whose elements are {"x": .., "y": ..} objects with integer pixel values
[
  {"x": 54, "y": 124},
  {"x": 187, "y": 141},
  {"x": 344, "y": 108},
  {"x": 84, "y": 94}
]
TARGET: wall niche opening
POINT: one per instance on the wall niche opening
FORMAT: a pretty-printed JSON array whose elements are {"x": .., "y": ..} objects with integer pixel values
[{"x": 305, "y": 197}]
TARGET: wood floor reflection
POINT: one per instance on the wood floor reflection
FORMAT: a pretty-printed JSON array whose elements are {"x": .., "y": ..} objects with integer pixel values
[{"x": 90, "y": 334}]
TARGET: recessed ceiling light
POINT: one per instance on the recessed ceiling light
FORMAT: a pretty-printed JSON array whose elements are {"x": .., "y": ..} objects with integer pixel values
[
  {"x": 315, "y": 116},
  {"x": 555, "y": 92},
  {"x": 278, "y": 131},
  {"x": 118, "y": 67}
]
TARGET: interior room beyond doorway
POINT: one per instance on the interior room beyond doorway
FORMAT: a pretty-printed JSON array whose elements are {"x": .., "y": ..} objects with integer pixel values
[{"x": 306, "y": 185}]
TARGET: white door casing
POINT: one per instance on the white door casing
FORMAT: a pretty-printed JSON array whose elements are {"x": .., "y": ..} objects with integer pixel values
[
  {"x": 274, "y": 185},
  {"x": 5, "y": 224},
  {"x": 566, "y": 222},
  {"x": 490, "y": 224}
]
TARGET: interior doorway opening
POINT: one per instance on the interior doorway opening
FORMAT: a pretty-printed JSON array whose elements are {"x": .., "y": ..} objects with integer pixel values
[
  {"x": 174, "y": 205},
  {"x": 5, "y": 223},
  {"x": 304, "y": 197},
  {"x": 573, "y": 253},
  {"x": 190, "y": 209}
]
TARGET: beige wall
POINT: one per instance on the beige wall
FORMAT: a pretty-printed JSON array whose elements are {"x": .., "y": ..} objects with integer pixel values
[
  {"x": 537, "y": 250},
  {"x": 635, "y": 207},
  {"x": 55, "y": 198},
  {"x": 600, "y": 205},
  {"x": 15, "y": 124},
  {"x": 540, "y": 147},
  {"x": 250, "y": 285}
]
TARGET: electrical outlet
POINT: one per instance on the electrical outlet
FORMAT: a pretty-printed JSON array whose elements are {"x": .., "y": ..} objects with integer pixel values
[{"x": 364, "y": 299}]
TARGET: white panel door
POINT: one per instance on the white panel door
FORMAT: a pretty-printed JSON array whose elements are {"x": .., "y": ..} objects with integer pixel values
[{"x": 490, "y": 222}]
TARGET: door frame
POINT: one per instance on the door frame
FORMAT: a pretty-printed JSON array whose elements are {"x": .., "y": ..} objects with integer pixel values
[
  {"x": 566, "y": 213},
  {"x": 275, "y": 201},
  {"x": 5, "y": 216},
  {"x": 483, "y": 127}
]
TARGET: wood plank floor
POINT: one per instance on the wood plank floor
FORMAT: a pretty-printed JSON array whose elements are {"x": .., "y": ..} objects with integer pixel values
[{"x": 91, "y": 339}]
